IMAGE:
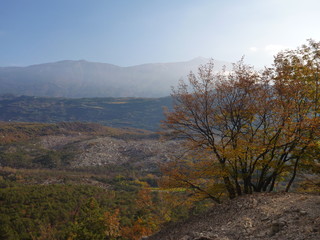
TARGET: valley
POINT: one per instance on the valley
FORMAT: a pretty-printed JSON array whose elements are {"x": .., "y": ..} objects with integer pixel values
[{"x": 140, "y": 113}]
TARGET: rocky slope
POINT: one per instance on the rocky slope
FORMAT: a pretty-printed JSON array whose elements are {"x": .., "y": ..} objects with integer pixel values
[
  {"x": 272, "y": 216},
  {"x": 98, "y": 151},
  {"x": 81, "y": 145}
]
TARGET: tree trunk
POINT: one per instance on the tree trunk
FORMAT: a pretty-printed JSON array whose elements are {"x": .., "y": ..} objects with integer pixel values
[
  {"x": 272, "y": 184},
  {"x": 293, "y": 175},
  {"x": 230, "y": 188},
  {"x": 238, "y": 187},
  {"x": 247, "y": 185}
]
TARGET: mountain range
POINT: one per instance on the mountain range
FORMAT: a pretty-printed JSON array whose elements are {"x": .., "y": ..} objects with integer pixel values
[{"x": 77, "y": 79}]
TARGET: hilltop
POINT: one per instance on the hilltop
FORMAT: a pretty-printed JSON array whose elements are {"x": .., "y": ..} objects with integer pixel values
[{"x": 272, "y": 216}]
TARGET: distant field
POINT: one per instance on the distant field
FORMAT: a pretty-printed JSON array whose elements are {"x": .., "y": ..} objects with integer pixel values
[{"x": 142, "y": 113}]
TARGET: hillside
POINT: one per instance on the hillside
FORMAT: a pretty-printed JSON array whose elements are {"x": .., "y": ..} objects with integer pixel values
[
  {"x": 141, "y": 113},
  {"x": 60, "y": 168},
  {"x": 74, "y": 180},
  {"x": 76, "y": 79},
  {"x": 274, "y": 216},
  {"x": 81, "y": 146}
]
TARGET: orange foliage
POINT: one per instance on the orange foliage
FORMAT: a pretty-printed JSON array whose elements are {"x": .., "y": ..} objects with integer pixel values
[
  {"x": 138, "y": 230},
  {"x": 112, "y": 224},
  {"x": 251, "y": 128}
]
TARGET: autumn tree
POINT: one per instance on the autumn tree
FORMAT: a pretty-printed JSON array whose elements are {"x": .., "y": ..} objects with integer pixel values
[
  {"x": 245, "y": 130},
  {"x": 92, "y": 222},
  {"x": 299, "y": 71}
]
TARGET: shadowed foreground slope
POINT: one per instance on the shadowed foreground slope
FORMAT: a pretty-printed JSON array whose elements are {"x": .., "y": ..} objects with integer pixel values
[{"x": 259, "y": 216}]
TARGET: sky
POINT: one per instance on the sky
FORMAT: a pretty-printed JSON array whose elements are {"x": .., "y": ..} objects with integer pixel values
[{"x": 133, "y": 32}]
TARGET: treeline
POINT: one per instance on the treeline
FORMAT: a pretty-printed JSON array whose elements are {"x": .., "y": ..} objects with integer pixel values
[{"x": 25, "y": 131}]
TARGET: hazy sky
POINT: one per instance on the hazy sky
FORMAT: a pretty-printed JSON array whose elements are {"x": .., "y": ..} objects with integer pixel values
[{"x": 132, "y": 32}]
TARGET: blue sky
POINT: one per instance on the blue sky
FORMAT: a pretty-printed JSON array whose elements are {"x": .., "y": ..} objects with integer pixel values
[{"x": 132, "y": 32}]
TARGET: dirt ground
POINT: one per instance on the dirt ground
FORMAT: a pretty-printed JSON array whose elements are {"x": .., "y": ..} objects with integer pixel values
[{"x": 271, "y": 216}]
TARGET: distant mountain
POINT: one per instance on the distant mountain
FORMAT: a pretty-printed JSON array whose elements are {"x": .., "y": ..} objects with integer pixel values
[{"x": 76, "y": 79}]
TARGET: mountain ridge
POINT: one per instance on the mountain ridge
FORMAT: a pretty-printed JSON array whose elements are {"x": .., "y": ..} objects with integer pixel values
[
  {"x": 81, "y": 78},
  {"x": 199, "y": 58}
]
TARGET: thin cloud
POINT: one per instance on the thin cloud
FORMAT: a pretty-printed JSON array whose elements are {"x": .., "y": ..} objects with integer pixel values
[
  {"x": 273, "y": 49},
  {"x": 253, "y": 49}
]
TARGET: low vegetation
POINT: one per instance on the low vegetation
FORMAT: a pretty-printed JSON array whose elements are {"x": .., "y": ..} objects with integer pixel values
[{"x": 46, "y": 194}]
